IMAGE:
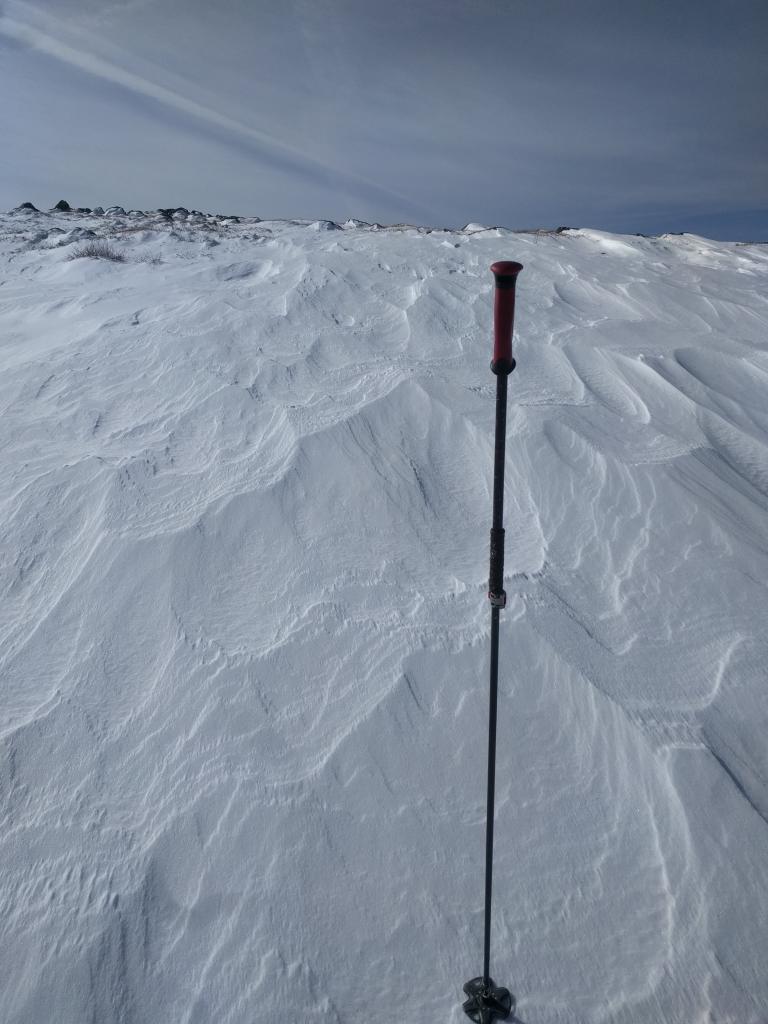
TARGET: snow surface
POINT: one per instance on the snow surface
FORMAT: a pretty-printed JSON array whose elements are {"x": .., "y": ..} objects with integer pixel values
[{"x": 244, "y": 521}]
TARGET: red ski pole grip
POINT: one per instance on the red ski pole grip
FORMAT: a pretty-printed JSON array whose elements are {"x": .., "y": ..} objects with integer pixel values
[{"x": 505, "y": 274}]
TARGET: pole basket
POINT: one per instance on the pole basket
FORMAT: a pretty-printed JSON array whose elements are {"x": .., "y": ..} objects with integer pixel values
[{"x": 487, "y": 1002}]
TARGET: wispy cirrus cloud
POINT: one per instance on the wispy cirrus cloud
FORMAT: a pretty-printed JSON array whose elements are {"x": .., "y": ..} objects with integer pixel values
[{"x": 41, "y": 32}]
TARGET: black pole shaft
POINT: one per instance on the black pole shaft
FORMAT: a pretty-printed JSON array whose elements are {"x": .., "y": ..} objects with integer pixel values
[
  {"x": 489, "y": 814},
  {"x": 498, "y": 599}
]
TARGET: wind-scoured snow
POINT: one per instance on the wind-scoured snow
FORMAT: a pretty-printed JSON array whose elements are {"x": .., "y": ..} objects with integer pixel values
[{"x": 244, "y": 510}]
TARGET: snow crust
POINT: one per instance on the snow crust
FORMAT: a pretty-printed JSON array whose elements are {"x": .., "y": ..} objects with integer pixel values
[{"x": 244, "y": 511}]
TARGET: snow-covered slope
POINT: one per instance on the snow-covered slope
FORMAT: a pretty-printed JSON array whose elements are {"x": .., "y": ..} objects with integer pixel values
[{"x": 244, "y": 511}]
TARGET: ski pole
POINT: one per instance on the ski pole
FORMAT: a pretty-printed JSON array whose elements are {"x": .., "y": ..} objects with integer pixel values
[{"x": 487, "y": 1001}]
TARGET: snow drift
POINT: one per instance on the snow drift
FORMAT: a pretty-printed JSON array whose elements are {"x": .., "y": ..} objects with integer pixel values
[{"x": 244, "y": 521}]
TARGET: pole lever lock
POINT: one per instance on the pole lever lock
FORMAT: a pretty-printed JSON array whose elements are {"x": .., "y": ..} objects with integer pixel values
[{"x": 496, "y": 593}]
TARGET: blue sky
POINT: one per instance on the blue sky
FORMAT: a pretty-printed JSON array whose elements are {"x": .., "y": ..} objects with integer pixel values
[{"x": 623, "y": 116}]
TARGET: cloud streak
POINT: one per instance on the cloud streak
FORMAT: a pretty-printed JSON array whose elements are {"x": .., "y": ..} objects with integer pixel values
[{"x": 265, "y": 145}]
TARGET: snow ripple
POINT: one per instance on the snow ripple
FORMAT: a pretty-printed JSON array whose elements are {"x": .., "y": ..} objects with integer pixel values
[{"x": 243, "y": 633}]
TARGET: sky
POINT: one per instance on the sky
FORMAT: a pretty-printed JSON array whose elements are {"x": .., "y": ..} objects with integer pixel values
[{"x": 629, "y": 117}]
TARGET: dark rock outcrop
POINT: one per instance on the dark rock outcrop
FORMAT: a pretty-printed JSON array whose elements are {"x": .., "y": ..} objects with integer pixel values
[{"x": 63, "y": 206}]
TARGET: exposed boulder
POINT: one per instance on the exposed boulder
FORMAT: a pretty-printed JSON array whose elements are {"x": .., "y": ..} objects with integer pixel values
[
  {"x": 63, "y": 206},
  {"x": 75, "y": 235},
  {"x": 324, "y": 225},
  {"x": 28, "y": 206}
]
